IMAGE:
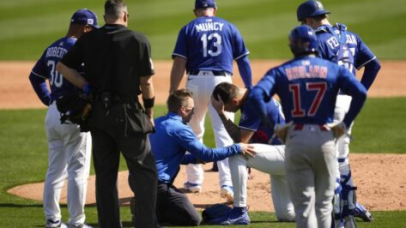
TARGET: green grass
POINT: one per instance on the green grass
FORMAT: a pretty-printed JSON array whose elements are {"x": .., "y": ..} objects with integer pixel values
[
  {"x": 380, "y": 128},
  {"x": 28, "y": 26}
]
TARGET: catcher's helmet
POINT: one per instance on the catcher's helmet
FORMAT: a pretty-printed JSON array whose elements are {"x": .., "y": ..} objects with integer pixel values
[
  {"x": 303, "y": 40},
  {"x": 310, "y": 9}
]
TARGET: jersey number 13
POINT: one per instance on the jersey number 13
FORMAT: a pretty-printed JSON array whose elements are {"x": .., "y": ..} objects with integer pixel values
[{"x": 215, "y": 40}]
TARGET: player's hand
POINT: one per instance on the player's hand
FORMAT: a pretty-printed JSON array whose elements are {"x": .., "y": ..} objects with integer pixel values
[
  {"x": 282, "y": 130},
  {"x": 338, "y": 129},
  {"x": 248, "y": 150},
  {"x": 250, "y": 175},
  {"x": 218, "y": 104}
]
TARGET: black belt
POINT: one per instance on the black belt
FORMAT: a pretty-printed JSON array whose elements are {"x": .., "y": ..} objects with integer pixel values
[{"x": 215, "y": 72}]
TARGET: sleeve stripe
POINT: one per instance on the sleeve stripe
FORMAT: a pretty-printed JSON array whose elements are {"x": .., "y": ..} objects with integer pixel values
[
  {"x": 249, "y": 129},
  {"x": 38, "y": 75},
  {"x": 176, "y": 54},
  {"x": 239, "y": 57},
  {"x": 366, "y": 62}
]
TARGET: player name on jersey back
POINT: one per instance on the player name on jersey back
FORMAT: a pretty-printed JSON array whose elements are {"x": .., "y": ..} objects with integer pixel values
[
  {"x": 58, "y": 52},
  {"x": 309, "y": 71},
  {"x": 209, "y": 26}
]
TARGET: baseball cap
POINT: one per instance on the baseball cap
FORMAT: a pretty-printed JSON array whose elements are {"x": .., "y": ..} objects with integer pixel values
[
  {"x": 84, "y": 17},
  {"x": 310, "y": 9},
  {"x": 199, "y": 4}
]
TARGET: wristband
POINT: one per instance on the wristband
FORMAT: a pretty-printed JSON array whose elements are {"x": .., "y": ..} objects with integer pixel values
[
  {"x": 148, "y": 102},
  {"x": 87, "y": 89}
]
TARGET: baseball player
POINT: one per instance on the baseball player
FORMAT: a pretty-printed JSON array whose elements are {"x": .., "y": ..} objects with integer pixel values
[
  {"x": 69, "y": 149},
  {"x": 308, "y": 88},
  {"x": 346, "y": 48},
  {"x": 270, "y": 156},
  {"x": 205, "y": 49}
]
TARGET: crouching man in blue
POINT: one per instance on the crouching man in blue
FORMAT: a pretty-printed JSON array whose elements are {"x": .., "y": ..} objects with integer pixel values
[{"x": 173, "y": 137}]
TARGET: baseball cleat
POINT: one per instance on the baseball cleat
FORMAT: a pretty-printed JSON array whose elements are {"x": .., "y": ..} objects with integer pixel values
[
  {"x": 227, "y": 192},
  {"x": 362, "y": 213},
  {"x": 194, "y": 188},
  {"x": 237, "y": 216},
  {"x": 55, "y": 224}
]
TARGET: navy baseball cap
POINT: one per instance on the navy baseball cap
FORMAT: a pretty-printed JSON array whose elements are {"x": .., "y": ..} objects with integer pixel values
[
  {"x": 84, "y": 17},
  {"x": 310, "y": 9},
  {"x": 201, "y": 4}
]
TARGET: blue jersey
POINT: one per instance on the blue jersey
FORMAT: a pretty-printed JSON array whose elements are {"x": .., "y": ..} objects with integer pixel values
[
  {"x": 210, "y": 43},
  {"x": 355, "y": 54},
  {"x": 263, "y": 132},
  {"x": 308, "y": 86},
  {"x": 45, "y": 67},
  {"x": 171, "y": 140}
]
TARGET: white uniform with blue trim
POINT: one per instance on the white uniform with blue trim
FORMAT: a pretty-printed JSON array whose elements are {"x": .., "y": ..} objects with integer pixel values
[{"x": 210, "y": 44}]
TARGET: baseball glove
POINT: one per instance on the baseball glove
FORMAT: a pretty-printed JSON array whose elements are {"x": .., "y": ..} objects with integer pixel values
[
  {"x": 74, "y": 107},
  {"x": 215, "y": 211}
]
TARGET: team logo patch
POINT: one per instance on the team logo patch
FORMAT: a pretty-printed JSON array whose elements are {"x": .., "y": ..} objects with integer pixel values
[{"x": 319, "y": 5}]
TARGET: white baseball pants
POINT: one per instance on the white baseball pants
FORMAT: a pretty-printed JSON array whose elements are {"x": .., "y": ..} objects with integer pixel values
[
  {"x": 269, "y": 159},
  {"x": 69, "y": 153},
  {"x": 202, "y": 87}
]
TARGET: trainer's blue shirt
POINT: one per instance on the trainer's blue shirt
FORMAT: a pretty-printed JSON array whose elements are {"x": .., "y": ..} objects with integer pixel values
[
  {"x": 45, "y": 68},
  {"x": 171, "y": 140},
  {"x": 210, "y": 43},
  {"x": 308, "y": 87},
  {"x": 250, "y": 120}
]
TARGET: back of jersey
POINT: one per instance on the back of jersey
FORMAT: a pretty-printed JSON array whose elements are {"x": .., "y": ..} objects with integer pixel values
[
  {"x": 338, "y": 45},
  {"x": 210, "y": 43},
  {"x": 46, "y": 67},
  {"x": 307, "y": 87}
]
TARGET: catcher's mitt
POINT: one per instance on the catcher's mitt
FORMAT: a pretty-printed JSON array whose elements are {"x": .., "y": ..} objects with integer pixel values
[
  {"x": 74, "y": 107},
  {"x": 215, "y": 211}
]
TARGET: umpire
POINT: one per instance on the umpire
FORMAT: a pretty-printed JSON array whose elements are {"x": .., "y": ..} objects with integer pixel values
[{"x": 118, "y": 68}]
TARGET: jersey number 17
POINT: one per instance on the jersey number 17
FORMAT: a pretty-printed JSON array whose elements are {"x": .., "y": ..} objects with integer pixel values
[{"x": 320, "y": 89}]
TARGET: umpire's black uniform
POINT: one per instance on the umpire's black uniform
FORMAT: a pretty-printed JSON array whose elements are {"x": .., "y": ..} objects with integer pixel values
[{"x": 115, "y": 58}]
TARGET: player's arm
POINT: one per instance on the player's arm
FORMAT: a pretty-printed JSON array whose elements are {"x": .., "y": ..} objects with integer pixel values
[
  {"x": 371, "y": 70},
  {"x": 38, "y": 82},
  {"x": 72, "y": 61},
  {"x": 178, "y": 69},
  {"x": 72, "y": 75},
  {"x": 245, "y": 71},
  {"x": 366, "y": 58}
]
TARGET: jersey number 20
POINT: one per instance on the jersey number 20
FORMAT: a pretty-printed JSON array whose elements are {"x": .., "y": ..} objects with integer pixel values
[{"x": 298, "y": 111}]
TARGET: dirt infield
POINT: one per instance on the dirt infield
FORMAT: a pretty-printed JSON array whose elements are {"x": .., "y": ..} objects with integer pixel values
[{"x": 381, "y": 178}]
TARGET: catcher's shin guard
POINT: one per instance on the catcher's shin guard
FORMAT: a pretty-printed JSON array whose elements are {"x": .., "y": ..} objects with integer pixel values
[{"x": 348, "y": 198}]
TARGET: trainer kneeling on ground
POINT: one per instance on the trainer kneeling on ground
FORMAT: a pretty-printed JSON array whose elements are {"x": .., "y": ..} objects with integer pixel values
[{"x": 173, "y": 137}]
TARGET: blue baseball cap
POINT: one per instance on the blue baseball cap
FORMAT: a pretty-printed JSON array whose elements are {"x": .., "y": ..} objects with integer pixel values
[
  {"x": 84, "y": 17},
  {"x": 310, "y": 9},
  {"x": 201, "y": 4}
]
